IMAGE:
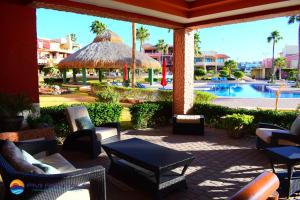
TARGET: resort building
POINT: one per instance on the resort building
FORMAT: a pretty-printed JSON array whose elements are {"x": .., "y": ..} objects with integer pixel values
[
  {"x": 51, "y": 51},
  {"x": 289, "y": 52},
  {"x": 207, "y": 59}
]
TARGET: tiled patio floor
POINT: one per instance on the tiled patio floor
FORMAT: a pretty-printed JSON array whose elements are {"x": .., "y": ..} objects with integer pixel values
[{"x": 222, "y": 165}]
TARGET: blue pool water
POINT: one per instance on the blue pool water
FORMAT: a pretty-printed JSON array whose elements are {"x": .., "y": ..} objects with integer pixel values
[{"x": 244, "y": 91}]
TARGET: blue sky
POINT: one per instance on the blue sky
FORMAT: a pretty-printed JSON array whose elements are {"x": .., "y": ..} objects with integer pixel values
[{"x": 242, "y": 42}]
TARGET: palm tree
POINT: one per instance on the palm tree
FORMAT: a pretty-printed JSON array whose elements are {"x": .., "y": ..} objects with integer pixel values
[
  {"x": 275, "y": 37},
  {"x": 279, "y": 63},
  {"x": 293, "y": 19},
  {"x": 230, "y": 65},
  {"x": 73, "y": 37},
  {"x": 98, "y": 27},
  {"x": 162, "y": 46},
  {"x": 142, "y": 34},
  {"x": 197, "y": 42}
]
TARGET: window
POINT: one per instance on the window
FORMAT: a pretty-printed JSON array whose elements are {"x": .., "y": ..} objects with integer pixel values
[
  {"x": 197, "y": 60},
  {"x": 220, "y": 60},
  {"x": 208, "y": 59}
]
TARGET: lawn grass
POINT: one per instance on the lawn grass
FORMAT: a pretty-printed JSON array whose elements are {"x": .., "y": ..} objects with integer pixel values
[
  {"x": 125, "y": 119},
  {"x": 74, "y": 98}
]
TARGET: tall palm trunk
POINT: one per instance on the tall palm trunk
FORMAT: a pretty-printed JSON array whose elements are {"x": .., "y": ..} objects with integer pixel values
[
  {"x": 133, "y": 55},
  {"x": 273, "y": 67},
  {"x": 298, "y": 69},
  {"x": 141, "y": 44}
]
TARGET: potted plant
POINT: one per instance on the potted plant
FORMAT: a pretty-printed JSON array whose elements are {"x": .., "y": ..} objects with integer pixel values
[{"x": 11, "y": 110}]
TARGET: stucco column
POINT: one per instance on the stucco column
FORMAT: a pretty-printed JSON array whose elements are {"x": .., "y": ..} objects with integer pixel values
[{"x": 183, "y": 83}]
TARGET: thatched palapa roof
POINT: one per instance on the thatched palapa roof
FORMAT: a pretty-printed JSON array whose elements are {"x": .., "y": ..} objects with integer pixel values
[{"x": 107, "y": 51}]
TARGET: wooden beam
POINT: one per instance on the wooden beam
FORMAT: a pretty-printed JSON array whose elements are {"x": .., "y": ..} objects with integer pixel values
[
  {"x": 177, "y": 4},
  {"x": 157, "y": 5},
  {"x": 82, "y": 8},
  {"x": 228, "y": 6},
  {"x": 260, "y": 15},
  {"x": 194, "y": 5}
]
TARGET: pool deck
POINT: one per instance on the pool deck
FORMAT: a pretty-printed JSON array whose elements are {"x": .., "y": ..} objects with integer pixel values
[
  {"x": 249, "y": 103},
  {"x": 253, "y": 103}
]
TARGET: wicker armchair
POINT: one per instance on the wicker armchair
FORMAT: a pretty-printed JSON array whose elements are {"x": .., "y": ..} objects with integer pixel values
[
  {"x": 89, "y": 140},
  {"x": 51, "y": 186},
  {"x": 270, "y": 135}
]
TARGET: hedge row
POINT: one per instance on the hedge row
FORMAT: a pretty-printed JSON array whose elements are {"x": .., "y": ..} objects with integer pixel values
[
  {"x": 99, "y": 113},
  {"x": 213, "y": 113},
  {"x": 158, "y": 113},
  {"x": 150, "y": 114},
  {"x": 147, "y": 94}
]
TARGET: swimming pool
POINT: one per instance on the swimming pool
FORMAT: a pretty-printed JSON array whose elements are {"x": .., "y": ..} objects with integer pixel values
[{"x": 244, "y": 91}]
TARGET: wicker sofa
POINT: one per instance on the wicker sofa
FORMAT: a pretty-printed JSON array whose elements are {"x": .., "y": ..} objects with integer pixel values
[{"x": 69, "y": 183}]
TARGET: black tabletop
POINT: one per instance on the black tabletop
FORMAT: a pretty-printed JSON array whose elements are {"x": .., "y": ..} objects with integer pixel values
[
  {"x": 289, "y": 153},
  {"x": 147, "y": 153}
]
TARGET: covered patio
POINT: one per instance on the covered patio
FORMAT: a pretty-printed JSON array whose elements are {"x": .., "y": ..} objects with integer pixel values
[{"x": 221, "y": 167}]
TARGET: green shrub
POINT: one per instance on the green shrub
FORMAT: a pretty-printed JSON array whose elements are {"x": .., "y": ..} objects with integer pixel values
[
  {"x": 165, "y": 95},
  {"x": 200, "y": 72},
  {"x": 108, "y": 96},
  {"x": 238, "y": 74},
  {"x": 204, "y": 97},
  {"x": 41, "y": 121},
  {"x": 211, "y": 72},
  {"x": 54, "y": 81},
  {"x": 223, "y": 73},
  {"x": 99, "y": 113},
  {"x": 213, "y": 113},
  {"x": 150, "y": 114},
  {"x": 292, "y": 75},
  {"x": 237, "y": 123}
]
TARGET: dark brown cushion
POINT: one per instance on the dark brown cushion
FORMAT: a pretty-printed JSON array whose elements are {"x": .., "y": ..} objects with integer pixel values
[{"x": 14, "y": 157}]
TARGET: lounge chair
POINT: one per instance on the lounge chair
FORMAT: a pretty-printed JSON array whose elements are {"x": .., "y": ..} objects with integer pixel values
[
  {"x": 139, "y": 85},
  {"x": 223, "y": 79},
  {"x": 49, "y": 177},
  {"x": 262, "y": 187},
  {"x": 85, "y": 137},
  {"x": 269, "y": 135},
  {"x": 215, "y": 79}
]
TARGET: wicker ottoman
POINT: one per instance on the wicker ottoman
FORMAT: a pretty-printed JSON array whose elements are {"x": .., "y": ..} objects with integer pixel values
[{"x": 188, "y": 124}]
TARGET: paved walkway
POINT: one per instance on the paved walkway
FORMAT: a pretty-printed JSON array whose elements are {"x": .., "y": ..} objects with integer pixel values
[
  {"x": 265, "y": 103},
  {"x": 222, "y": 165}
]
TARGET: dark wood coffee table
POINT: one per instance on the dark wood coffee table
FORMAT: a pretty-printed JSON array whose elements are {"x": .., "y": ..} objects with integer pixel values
[
  {"x": 148, "y": 164},
  {"x": 290, "y": 156}
]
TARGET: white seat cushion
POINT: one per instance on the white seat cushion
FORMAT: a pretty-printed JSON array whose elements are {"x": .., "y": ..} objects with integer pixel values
[
  {"x": 191, "y": 119},
  {"x": 80, "y": 192},
  {"x": 266, "y": 133},
  {"x": 59, "y": 162},
  {"x": 105, "y": 132}
]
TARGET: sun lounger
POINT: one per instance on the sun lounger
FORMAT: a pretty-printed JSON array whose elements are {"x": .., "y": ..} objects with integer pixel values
[
  {"x": 139, "y": 85},
  {"x": 214, "y": 79}
]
